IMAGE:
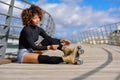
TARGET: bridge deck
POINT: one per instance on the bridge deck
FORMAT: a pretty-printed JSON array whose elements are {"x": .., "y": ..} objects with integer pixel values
[{"x": 100, "y": 63}]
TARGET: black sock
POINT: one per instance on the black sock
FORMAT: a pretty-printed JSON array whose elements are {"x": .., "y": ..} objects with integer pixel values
[{"x": 49, "y": 60}]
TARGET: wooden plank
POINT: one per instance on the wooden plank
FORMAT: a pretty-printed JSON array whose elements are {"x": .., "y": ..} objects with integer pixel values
[
  {"x": 99, "y": 64},
  {"x": 4, "y": 61}
]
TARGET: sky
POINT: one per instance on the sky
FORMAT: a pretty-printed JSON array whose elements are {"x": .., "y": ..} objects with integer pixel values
[{"x": 74, "y": 16}]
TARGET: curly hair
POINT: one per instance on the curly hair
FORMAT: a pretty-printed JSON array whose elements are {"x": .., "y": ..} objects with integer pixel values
[{"x": 28, "y": 13}]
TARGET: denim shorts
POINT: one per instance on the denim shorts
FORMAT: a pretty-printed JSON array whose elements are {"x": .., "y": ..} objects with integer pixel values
[{"x": 22, "y": 52}]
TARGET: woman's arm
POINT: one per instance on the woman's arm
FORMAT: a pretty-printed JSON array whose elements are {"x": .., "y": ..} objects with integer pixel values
[
  {"x": 30, "y": 42},
  {"x": 46, "y": 36},
  {"x": 53, "y": 40}
]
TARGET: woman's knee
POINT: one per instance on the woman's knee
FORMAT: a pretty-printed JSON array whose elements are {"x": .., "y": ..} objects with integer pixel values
[{"x": 30, "y": 58}]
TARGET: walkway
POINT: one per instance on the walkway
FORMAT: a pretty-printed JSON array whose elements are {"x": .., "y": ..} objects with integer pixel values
[{"x": 101, "y": 62}]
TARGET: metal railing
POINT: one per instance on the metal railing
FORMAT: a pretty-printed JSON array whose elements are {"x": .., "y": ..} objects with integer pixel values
[
  {"x": 106, "y": 34},
  {"x": 11, "y": 24}
]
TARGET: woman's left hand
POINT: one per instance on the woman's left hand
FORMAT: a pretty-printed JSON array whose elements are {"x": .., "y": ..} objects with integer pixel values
[{"x": 66, "y": 42}]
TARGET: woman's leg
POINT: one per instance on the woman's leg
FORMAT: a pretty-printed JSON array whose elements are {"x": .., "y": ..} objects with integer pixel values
[
  {"x": 39, "y": 51},
  {"x": 36, "y": 58},
  {"x": 44, "y": 59},
  {"x": 30, "y": 58},
  {"x": 49, "y": 59}
]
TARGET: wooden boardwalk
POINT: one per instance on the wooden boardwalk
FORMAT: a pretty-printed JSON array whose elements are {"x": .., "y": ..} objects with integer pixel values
[{"x": 101, "y": 62}]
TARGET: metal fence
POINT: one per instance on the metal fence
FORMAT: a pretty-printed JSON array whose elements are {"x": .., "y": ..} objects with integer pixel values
[
  {"x": 11, "y": 24},
  {"x": 106, "y": 34}
]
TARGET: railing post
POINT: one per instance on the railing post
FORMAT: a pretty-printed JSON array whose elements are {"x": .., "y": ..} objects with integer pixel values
[{"x": 6, "y": 29}]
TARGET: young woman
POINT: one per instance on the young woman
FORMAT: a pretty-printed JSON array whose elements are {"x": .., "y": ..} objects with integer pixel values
[{"x": 29, "y": 52}]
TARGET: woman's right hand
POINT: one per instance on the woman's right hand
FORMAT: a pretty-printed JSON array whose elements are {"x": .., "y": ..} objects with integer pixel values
[{"x": 52, "y": 47}]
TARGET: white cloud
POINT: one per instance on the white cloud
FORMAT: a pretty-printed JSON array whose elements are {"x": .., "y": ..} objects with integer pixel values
[
  {"x": 4, "y": 8},
  {"x": 16, "y": 12},
  {"x": 67, "y": 16},
  {"x": 77, "y": 16},
  {"x": 6, "y": 1}
]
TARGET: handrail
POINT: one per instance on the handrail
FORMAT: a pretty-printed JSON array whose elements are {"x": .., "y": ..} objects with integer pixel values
[{"x": 10, "y": 28}]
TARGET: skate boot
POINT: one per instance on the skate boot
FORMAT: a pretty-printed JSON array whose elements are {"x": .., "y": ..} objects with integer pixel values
[
  {"x": 74, "y": 56},
  {"x": 71, "y": 58},
  {"x": 67, "y": 51}
]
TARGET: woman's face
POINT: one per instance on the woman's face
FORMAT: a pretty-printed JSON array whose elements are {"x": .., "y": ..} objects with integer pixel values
[{"x": 35, "y": 20}]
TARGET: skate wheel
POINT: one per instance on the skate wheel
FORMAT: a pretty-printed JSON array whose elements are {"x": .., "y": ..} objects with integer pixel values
[
  {"x": 82, "y": 51},
  {"x": 79, "y": 47},
  {"x": 79, "y": 62},
  {"x": 77, "y": 58},
  {"x": 79, "y": 51}
]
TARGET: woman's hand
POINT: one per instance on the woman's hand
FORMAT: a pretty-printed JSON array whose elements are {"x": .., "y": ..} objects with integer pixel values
[
  {"x": 66, "y": 42},
  {"x": 52, "y": 47}
]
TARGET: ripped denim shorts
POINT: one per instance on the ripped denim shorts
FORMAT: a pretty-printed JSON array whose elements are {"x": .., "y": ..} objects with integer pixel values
[{"x": 22, "y": 52}]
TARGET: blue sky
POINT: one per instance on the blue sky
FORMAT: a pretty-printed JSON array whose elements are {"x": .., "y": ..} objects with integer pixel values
[
  {"x": 102, "y": 4},
  {"x": 73, "y": 16},
  {"x": 96, "y": 4}
]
